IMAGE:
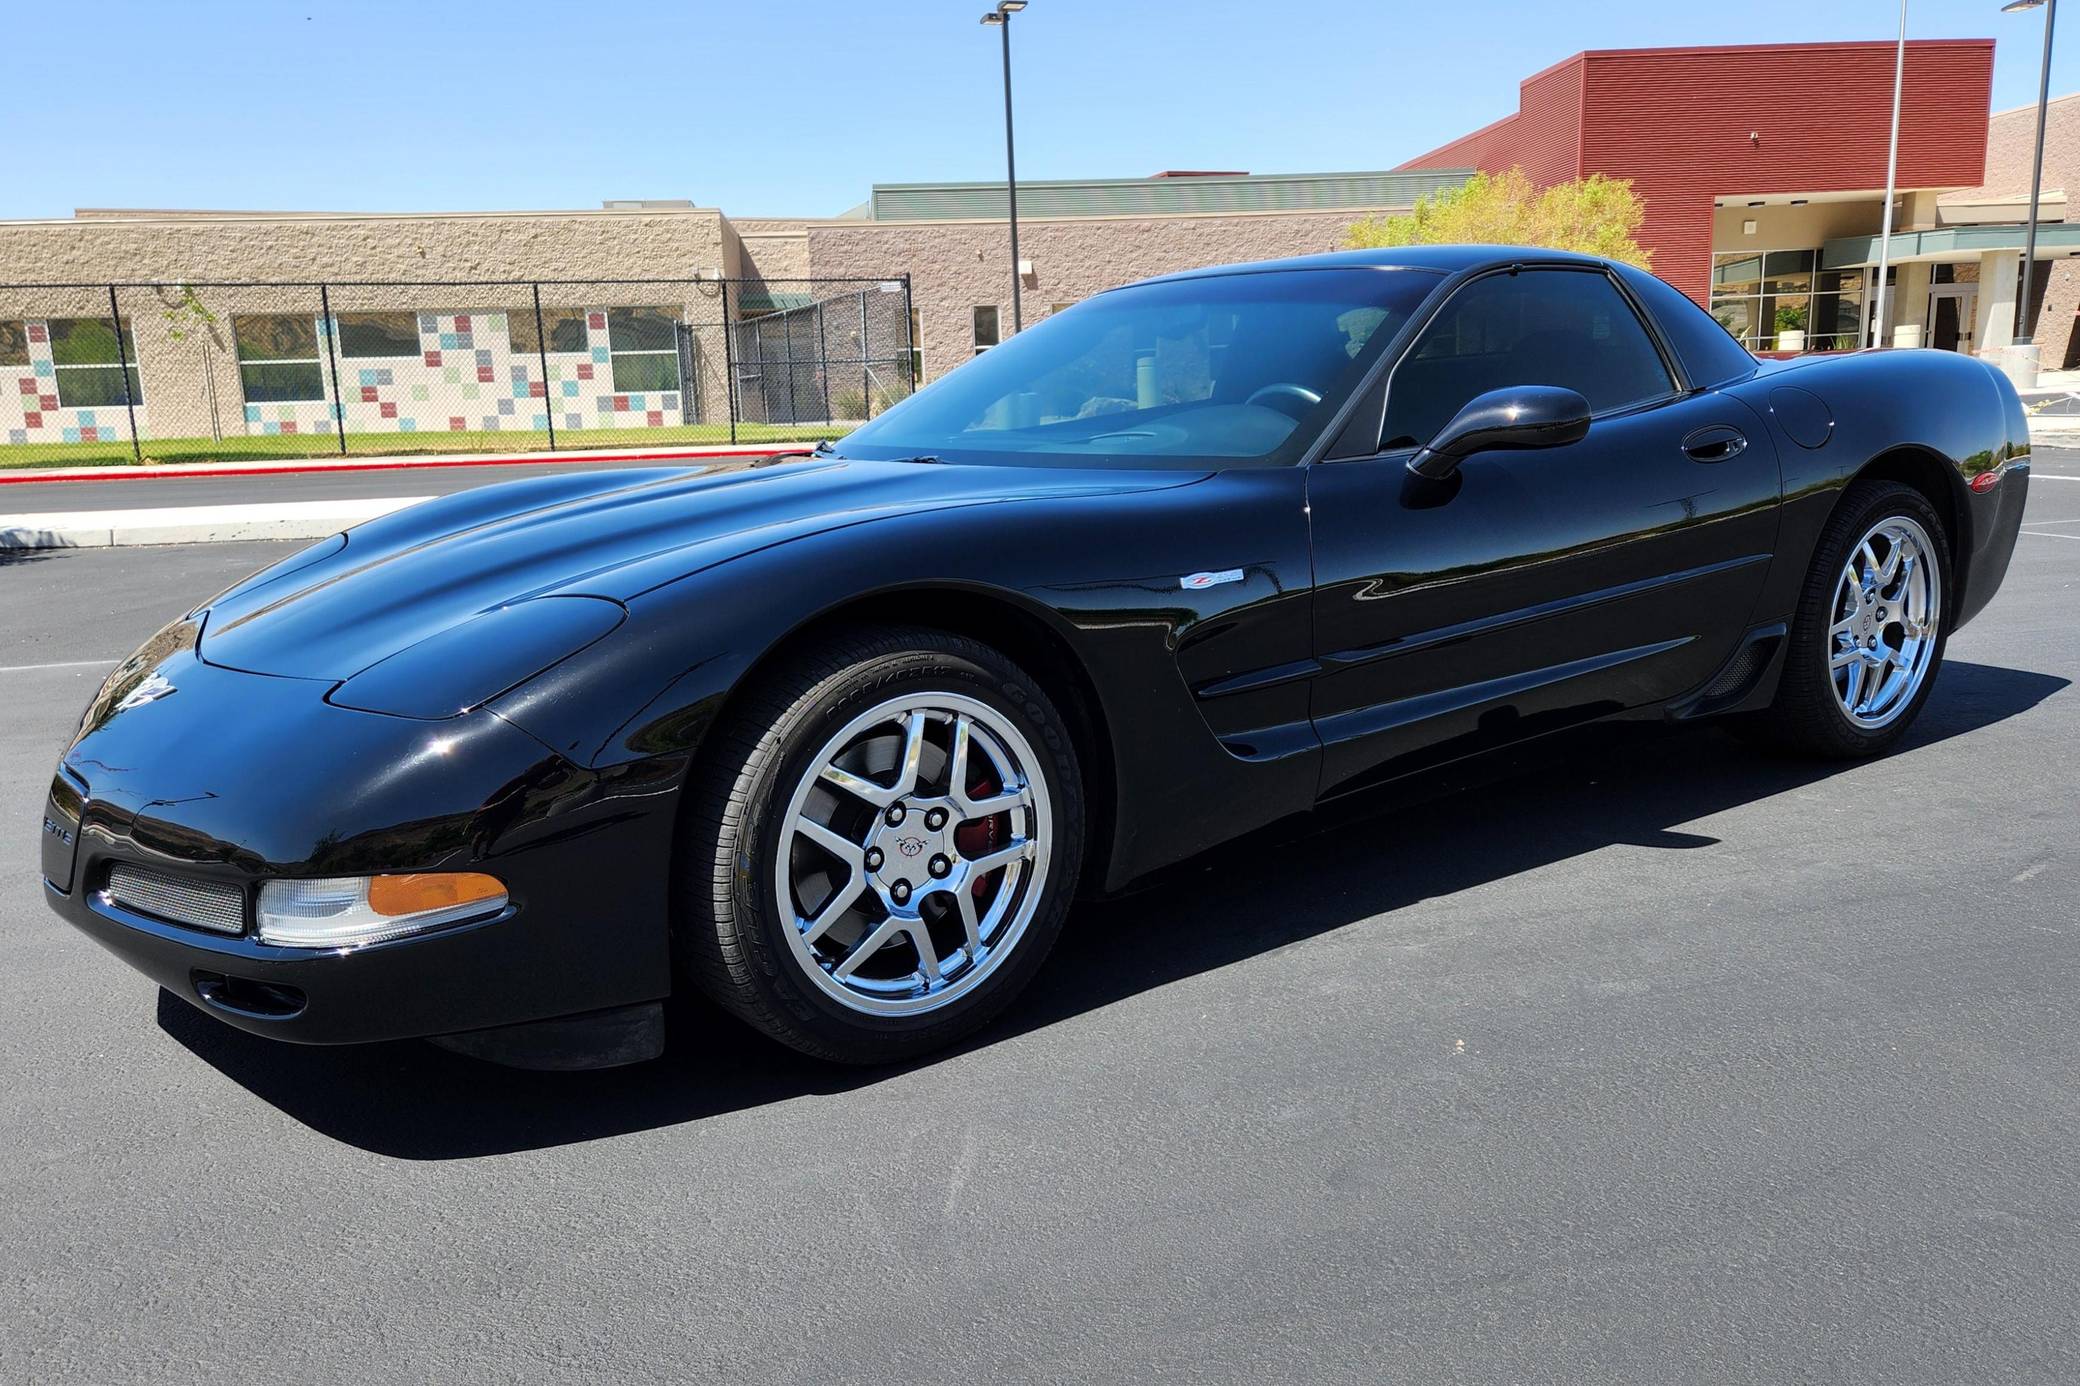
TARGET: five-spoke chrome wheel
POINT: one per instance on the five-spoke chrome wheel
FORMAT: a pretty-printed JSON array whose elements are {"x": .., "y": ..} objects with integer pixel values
[
  {"x": 1882, "y": 641},
  {"x": 912, "y": 853}
]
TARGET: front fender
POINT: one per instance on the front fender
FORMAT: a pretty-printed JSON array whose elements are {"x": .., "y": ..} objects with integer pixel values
[{"x": 1202, "y": 692}]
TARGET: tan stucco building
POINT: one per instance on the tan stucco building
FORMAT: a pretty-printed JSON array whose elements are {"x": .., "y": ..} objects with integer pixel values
[{"x": 654, "y": 314}]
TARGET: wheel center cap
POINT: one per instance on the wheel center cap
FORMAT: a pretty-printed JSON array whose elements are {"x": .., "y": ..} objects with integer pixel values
[{"x": 908, "y": 848}]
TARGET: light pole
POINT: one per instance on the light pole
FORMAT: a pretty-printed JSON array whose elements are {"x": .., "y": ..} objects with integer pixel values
[
  {"x": 2023, "y": 333},
  {"x": 1001, "y": 17},
  {"x": 1899, "y": 77}
]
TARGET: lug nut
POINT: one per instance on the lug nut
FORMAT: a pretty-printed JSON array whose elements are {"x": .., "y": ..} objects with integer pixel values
[
  {"x": 874, "y": 859},
  {"x": 936, "y": 819},
  {"x": 895, "y": 814},
  {"x": 899, "y": 892},
  {"x": 940, "y": 866}
]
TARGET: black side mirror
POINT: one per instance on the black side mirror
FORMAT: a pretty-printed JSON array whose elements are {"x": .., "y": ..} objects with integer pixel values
[{"x": 1520, "y": 416}]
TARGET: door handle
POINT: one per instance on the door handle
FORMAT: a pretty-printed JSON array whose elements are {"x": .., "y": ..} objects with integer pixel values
[{"x": 1717, "y": 443}]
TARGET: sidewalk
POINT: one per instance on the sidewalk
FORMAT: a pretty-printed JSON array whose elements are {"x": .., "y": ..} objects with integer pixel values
[
  {"x": 34, "y": 524},
  {"x": 286, "y": 465},
  {"x": 2054, "y": 408},
  {"x": 193, "y": 524}
]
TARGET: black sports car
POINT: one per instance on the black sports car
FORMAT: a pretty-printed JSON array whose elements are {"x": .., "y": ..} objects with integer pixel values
[{"x": 836, "y": 737}]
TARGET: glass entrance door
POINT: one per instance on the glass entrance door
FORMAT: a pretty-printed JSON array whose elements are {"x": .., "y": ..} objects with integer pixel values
[{"x": 1951, "y": 309}]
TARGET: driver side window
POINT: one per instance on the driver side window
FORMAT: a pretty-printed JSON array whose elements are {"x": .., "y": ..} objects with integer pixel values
[{"x": 1570, "y": 328}]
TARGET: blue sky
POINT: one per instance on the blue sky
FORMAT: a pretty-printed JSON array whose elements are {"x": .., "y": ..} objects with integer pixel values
[{"x": 795, "y": 107}]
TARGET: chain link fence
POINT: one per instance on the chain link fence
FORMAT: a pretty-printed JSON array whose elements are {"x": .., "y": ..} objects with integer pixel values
[{"x": 100, "y": 373}]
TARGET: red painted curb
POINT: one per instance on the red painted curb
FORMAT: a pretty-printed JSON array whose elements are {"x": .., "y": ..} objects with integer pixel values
[{"x": 121, "y": 473}]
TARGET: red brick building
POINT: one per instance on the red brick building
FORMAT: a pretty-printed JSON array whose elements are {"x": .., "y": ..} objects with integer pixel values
[{"x": 1763, "y": 172}]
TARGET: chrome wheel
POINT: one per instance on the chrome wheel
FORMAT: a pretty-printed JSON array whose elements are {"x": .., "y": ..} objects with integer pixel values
[
  {"x": 912, "y": 853},
  {"x": 1887, "y": 605}
]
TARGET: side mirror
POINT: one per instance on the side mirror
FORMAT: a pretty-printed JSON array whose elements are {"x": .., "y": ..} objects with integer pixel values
[{"x": 1521, "y": 416}]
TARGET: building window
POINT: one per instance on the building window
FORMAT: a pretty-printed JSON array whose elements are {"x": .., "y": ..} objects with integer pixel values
[
  {"x": 916, "y": 348},
  {"x": 644, "y": 343},
  {"x": 565, "y": 326},
  {"x": 987, "y": 331},
  {"x": 89, "y": 363},
  {"x": 14, "y": 344},
  {"x": 278, "y": 358},
  {"x": 1782, "y": 300},
  {"x": 378, "y": 334}
]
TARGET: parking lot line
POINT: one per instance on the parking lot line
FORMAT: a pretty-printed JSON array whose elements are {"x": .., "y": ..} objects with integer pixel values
[{"x": 62, "y": 664}]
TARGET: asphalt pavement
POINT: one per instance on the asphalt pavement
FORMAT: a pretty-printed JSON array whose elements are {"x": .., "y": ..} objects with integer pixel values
[
  {"x": 117, "y": 493},
  {"x": 1640, "y": 1057}
]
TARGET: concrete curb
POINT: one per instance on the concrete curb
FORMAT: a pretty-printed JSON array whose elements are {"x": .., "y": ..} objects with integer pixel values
[
  {"x": 197, "y": 524},
  {"x": 126, "y": 471}
]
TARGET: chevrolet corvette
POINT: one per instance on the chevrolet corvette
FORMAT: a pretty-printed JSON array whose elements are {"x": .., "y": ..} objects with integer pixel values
[{"x": 836, "y": 738}]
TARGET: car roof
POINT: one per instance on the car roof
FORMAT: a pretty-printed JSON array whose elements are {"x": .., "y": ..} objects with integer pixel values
[{"x": 1448, "y": 259}]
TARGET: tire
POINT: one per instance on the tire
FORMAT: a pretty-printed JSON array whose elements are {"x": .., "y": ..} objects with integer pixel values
[
  {"x": 1809, "y": 715},
  {"x": 761, "y": 779}
]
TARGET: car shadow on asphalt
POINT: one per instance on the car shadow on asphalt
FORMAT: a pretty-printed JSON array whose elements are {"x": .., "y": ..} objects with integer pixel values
[{"x": 1555, "y": 799}]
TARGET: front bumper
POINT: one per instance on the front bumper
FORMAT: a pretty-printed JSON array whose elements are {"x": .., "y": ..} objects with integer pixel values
[
  {"x": 236, "y": 778},
  {"x": 469, "y": 977}
]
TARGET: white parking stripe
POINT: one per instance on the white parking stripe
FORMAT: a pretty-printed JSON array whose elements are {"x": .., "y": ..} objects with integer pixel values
[
  {"x": 2047, "y": 534},
  {"x": 66, "y": 664}
]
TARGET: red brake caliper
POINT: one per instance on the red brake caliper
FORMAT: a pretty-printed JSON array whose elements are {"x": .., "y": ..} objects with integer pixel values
[{"x": 981, "y": 837}]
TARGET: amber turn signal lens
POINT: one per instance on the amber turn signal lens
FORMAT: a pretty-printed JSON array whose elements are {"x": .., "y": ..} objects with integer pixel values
[{"x": 400, "y": 895}]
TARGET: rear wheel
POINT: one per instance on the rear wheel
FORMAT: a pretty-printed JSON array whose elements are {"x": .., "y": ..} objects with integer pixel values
[
  {"x": 883, "y": 846},
  {"x": 1868, "y": 635}
]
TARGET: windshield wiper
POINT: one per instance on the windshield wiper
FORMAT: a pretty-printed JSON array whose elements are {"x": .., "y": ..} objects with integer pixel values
[
  {"x": 826, "y": 450},
  {"x": 822, "y": 449}
]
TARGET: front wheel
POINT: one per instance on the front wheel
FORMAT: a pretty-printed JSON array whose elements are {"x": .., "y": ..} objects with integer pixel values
[
  {"x": 882, "y": 847},
  {"x": 1868, "y": 635}
]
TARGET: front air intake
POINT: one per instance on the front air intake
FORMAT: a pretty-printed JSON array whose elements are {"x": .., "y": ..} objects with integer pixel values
[{"x": 212, "y": 905}]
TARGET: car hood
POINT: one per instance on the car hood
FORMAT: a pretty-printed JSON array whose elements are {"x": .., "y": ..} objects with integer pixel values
[{"x": 343, "y": 605}]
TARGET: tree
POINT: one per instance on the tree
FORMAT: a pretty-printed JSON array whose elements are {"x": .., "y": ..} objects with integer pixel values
[{"x": 1596, "y": 215}]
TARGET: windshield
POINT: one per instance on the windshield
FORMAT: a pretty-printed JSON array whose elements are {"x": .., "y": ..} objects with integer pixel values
[{"x": 1237, "y": 369}]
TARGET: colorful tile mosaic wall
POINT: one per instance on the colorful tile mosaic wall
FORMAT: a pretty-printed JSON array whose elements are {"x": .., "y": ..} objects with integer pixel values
[
  {"x": 466, "y": 377},
  {"x": 29, "y": 407}
]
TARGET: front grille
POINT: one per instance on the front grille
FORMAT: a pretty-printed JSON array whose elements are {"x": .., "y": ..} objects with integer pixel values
[{"x": 211, "y": 905}]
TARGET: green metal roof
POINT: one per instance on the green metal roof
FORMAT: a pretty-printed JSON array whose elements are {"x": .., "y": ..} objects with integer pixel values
[
  {"x": 771, "y": 301},
  {"x": 1949, "y": 242},
  {"x": 1101, "y": 197}
]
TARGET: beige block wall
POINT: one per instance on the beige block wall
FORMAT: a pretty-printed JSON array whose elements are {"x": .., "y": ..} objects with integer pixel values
[
  {"x": 2010, "y": 148},
  {"x": 488, "y": 245},
  {"x": 178, "y": 377},
  {"x": 2011, "y": 145},
  {"x": 772, "y": 248},
  {"x": 956, "y": 265}
]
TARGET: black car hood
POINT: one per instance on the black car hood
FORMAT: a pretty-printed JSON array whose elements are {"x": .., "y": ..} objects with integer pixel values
[{"x": 340, "y": 607}]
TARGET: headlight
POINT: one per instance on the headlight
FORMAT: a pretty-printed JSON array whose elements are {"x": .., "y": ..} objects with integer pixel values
[
  {"x": 474, "y": 662},
  {"x": 347, "y": 911}
]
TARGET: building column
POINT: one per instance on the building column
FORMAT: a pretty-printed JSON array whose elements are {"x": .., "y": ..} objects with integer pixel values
[
  {"x": 1910, "y": 299},
  {"x": 2000, "y": 274}
]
